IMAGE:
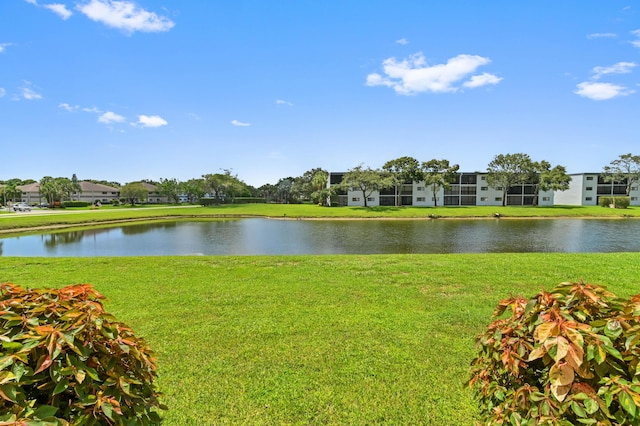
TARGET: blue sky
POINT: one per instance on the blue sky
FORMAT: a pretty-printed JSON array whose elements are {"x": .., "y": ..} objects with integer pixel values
[{"x": 123, "y": 90}]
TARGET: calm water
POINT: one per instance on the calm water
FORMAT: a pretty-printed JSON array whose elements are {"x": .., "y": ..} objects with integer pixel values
[{"x": 264, "y": 236}]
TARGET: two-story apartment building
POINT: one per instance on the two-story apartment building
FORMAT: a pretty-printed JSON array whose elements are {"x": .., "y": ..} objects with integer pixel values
[{"x": 89, "y": 192}]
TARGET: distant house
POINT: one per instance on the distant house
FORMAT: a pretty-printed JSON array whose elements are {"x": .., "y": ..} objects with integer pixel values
[
  {"x": 89, "y": 192},
  {"x": 154, "y": 196}
]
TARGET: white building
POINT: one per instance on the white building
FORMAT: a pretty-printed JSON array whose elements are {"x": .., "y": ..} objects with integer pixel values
[
  {"x": 585, "y": 189},
  {"x": 469, "y": 189}
]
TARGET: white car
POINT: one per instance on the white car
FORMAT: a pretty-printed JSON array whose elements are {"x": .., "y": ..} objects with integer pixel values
[{"x": 21, "y": 207}]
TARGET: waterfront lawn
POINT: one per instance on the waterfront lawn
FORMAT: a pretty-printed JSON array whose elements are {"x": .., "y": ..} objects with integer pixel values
[
  {"x": 17, "y": 221},
  {"x": 378, "y": 339}
]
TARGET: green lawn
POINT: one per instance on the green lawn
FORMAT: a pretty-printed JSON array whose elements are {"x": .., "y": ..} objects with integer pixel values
[
  {"x": 73, "y": 217},
  {"x": 317, "y": 339}
]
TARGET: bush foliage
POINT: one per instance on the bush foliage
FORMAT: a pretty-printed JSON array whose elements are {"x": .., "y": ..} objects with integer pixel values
[
  {"x": 65, "y": 361},
  {"x": 565, "y": 357},
  {"x": 76, "y": 204},
  {"x": 618, "y": 202}
]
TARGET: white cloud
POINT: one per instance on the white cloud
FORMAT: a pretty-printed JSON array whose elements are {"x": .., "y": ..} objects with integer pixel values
[
  {"x": 602, "y": 35},
  {"x": 602, "y": 91},
  {"x": 482, "y": 80},
  {"x": 414, "y": 75},
  {"x": 151, "y": 121},
  {"x": 636, "y": 43},
  {"x": 240, "y": 123},
  {"x": 2, "y": 92},
  {"x": 110, "y": 117},
  {"x": 283, "y": 102},
  {"x": 67, "y": 107},
  {"x": 3, "y": 46},
  {"x": 32, "y": 2},
  {"x": 59, "y": 9},
  {"x": 619, "y": 68},
  {"x": 125, "y": 15},
  {"x": 30, "y": 95},
  {"x": 402, "y": 41}
]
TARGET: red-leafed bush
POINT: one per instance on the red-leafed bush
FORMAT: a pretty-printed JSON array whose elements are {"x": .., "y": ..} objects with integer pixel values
[
  {"x": 570, "y": 356},
  {"x": 65, "y": 361}
]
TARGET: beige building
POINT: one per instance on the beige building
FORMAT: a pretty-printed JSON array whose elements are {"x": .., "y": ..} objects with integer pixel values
[{"x": 89, "y": 192}]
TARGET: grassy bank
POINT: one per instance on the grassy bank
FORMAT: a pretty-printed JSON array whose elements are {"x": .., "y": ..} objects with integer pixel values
[
  {"x": 17, "y": 221},
  {"x": 317, "y": 339}
]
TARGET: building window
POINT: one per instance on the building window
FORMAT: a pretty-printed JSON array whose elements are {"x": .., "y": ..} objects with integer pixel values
[
  {"x": 498, "y": 188},
  {"x": 421, "y": 188},
  {"x": 589, "y": 188},
  {"x": 588, "y": 198},
  {"x": 371, "y": 199},
  {"x": 498, "y": 198},
  {"x": 634, "y": 188},
  {"x": 634, "y": 198},
  {"x": 484, "y": 188},
  {"x": 355, "y": 199},
  {"x": 435, "y": 198},
  {"x": 484, "y": 198},
  {"x": 483, "y": 178},
  {"x": 546, "y": 198},
  {"x": 421, "y": 199},
  {"x": 589, "y": 177}
]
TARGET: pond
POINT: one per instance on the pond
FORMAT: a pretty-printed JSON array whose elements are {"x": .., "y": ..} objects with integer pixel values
[{"x": 271, "y": 237}]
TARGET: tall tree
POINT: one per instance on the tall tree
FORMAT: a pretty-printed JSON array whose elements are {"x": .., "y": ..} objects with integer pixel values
[
  {"x": 367, "y": 181},
  {"x": 267, "y": 191},
  {"x": 546, "y": 178},
  {"x": 507, "y": 170},
  {"x": 439, "y": 174},
  {"x": 284, "y": 190},
  {"x": 10, "y": 191},
  {"x": 170, "y": 188},
  {"x": 134, "y": 192},
  {"x": 194, "y": 189},
  {"x": 224, "y": 186},
  {"x": 55, "y": 189},
  {"x": 321, "y": 192},
  {"x": 403, "y": 170},
  {"x": 75, "y": 186},
  {"x": 625, "y": 168}
]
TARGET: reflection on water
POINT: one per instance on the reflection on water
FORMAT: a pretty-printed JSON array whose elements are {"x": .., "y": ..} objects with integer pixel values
[{"x": 265, "y": 236}]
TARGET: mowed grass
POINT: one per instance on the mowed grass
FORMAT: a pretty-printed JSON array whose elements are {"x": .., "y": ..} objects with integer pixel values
[
  {"x": 377, "y": 339},
  {"x": 76, "y": 217}
]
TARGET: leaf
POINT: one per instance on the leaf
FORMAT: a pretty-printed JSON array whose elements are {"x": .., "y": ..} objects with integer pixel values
[
  {"x": 538, "y": 352},
  {"x": 575, "y": 337},
  {"x": 43, "y": 363},
  {"x": 61, "y": 386},
  {"x": 578, "y": 409},
  {"x": 545, "y": 330},
  {"x": 591, "y": 406},
  {"x": 627, "y": 403},
  {"x": 44, "y": 411},
  {"x": 563, "y": 347},
  {"x": 107, "y": 409},
  {"x": 9, "y": 392},
  {"x": 561, "y": 374},
  {"x": 560, "y": 392},
  {"x": 80, "y": 376}
]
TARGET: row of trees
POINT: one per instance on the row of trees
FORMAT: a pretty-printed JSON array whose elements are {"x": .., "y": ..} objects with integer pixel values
[{"x": 504, "y": 171}]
